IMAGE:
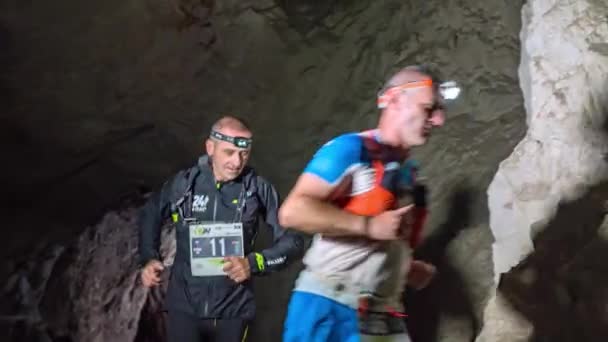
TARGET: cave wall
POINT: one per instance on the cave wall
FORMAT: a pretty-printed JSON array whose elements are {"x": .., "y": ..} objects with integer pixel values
[{"x": 109, "y": 96}]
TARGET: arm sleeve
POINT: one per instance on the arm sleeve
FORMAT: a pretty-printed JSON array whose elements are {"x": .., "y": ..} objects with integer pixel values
[
  {"x": 151, "y": 218},
  {"x": 336, "y": 158},
  {"x": 288, "y": 245}
]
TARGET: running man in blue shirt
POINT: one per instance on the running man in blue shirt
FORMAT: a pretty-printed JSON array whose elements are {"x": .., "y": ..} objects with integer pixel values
[{"x": 348, "y": 197}]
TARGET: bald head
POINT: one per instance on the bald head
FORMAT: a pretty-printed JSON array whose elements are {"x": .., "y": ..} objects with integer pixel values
[
  {"x": 412, "y": 73},
  {"x": 229, "y": 122}
]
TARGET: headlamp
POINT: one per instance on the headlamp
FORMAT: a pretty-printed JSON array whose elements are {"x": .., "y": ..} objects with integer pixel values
[
  {"x": 448, "y": 91},
  {"x": 239, "y": 142}
]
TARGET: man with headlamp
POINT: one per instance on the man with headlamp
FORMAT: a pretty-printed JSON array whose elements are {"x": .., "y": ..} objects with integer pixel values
[
  {"x": 360, "y": 196},
  {"x": 215, "y": 206}
]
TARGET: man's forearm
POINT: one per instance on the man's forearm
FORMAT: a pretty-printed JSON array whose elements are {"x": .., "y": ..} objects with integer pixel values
[
  {"x": 149, "y": 223},
  {"x": 148, "y": 244},
  {"x": 312, "y": 216}
]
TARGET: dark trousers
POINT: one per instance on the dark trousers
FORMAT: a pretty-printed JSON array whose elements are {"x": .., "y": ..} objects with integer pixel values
[{"x": 182, "y": 327}]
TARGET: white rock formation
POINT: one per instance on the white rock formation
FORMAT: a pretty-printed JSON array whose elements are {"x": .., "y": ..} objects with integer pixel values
[{"x": 563, "y": 75}]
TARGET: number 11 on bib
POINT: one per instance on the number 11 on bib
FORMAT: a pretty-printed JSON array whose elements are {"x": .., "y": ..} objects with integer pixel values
[{"x": 210, "y": 243}]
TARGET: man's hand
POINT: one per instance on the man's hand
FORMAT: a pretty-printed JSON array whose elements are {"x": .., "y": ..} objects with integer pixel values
[
  {"x": 150, "y": 274},
  {"x": 391, "y": 224},
  {"x": 237, "y": 268},
  {"x": 420, "y": 274}
]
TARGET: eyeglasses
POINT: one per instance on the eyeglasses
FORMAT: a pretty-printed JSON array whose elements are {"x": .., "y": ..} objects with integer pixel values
[
  {"x": 448, "y": 91},
  {"x": 239, "y": 142}
]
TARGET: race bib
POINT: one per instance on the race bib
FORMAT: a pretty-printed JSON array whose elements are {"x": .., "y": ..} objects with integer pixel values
[{"x": 210, "y": 243}]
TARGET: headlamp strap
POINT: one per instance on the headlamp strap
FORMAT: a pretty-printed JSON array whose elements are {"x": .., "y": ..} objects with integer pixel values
[{"x": 240, "y": 142}]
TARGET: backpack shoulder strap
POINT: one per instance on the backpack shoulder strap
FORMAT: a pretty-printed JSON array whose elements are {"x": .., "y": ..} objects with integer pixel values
[{"x": 182, "y": 190}]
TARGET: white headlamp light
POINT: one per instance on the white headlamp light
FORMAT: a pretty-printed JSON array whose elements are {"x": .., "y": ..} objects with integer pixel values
[{"x": 449, "y": 90}]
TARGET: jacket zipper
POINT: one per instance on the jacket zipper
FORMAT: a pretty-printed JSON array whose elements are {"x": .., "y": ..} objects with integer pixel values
[
  {"x": 215, "y": 205},
  {"x": 214, "y": 217}
]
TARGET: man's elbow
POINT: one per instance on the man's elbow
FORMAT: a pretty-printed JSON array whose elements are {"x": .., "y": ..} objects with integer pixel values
[
  {"x": 287, "y": 215},
  {"x": 292, "y": 214}
]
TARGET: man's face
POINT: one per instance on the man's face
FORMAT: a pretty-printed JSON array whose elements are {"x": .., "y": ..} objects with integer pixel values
[
  {"x": 416, "y": 113},
  {"x": 228, "y": 161}
]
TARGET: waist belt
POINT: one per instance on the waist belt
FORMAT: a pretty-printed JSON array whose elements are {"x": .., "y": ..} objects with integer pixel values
[
  {"x": 364, "y": 309},
  {"x": 338, "y": 289},
  {"x": 381, "y": 324},
  {"x": 369, "y": 305}
]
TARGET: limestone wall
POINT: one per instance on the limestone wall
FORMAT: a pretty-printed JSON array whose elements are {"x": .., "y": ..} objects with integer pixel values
[{"x": 563, "y": 74}]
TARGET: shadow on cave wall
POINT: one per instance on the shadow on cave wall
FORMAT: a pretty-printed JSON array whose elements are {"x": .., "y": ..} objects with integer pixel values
[
  {"x": 562, "y": 288},
  {"x": 446, "y": 294},
  {"x": 6, "y": 42}
]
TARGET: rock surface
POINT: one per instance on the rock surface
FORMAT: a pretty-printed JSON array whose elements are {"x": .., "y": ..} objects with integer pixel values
[
  {"x": 20, "y": 316},
  {"x": 90, "y": 291},
  {"x": 125, "y": 90},
  {"x": 563, "y": 75},
  {"x": 94, "y": 293}
]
